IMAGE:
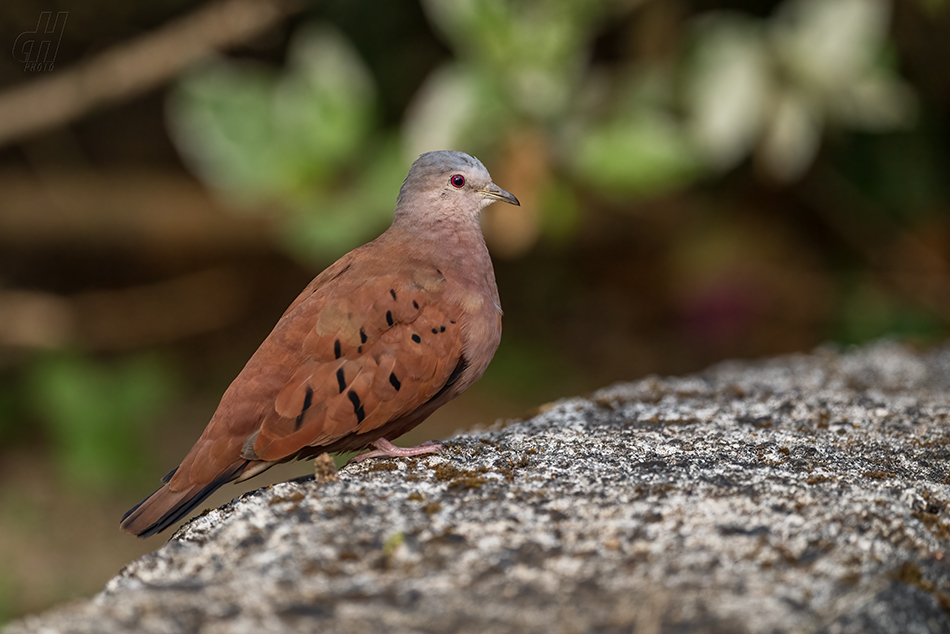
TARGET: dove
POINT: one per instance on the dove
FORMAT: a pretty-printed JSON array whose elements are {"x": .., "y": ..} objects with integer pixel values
[{"x": 373, "y": 345}]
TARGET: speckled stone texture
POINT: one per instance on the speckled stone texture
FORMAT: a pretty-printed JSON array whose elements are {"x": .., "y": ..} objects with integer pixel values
[{"x": 802, "y": 494}]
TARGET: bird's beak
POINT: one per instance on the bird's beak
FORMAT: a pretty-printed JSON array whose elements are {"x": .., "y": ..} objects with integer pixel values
[{"x": 495, "y": 192}]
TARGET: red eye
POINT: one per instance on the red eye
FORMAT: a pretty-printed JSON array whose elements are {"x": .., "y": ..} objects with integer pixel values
[{"x": 457, "y": 181}]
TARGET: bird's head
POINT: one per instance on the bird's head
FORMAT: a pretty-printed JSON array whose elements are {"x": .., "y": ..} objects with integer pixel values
[{"x": 447, "y": 182}]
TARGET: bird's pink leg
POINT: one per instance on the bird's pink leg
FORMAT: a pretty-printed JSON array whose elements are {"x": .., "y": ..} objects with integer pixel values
[{"x": 386, "y": 448}]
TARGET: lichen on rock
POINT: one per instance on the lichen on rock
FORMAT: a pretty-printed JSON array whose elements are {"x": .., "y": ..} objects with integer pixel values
[{"x": 807, "y": 493}]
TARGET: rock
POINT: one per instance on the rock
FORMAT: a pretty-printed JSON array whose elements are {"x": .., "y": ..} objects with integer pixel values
[{"x": 803, "y": 494}]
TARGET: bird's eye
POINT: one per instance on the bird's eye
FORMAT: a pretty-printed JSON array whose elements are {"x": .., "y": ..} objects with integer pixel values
[{"x": 457, "y": 181}]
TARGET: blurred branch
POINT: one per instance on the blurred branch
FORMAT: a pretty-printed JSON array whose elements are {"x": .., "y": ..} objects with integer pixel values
[
  {"x": 132, "y": 68},
  {"x": 148, "y": 210},
  {"x": 122, "y": 319}
]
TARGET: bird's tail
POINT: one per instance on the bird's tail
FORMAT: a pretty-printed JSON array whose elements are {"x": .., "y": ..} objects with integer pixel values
[{"x": 165, "y": 507}]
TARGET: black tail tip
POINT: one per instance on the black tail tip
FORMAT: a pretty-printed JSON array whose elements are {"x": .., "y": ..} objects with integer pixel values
[{"x": 179, "y": 508}]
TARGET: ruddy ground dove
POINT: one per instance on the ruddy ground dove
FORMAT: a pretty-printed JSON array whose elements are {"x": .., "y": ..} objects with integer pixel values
[{"x": 376, "y": 343}]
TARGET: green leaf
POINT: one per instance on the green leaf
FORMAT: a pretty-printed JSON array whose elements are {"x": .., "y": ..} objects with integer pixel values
[
  {"x": 642, "y": 155},
  {"x": 326, "y": 224},
  {"x": 220, "y": 119},
  {"x": 727, "y": 88},
  {"x": 257, "y": 134}
]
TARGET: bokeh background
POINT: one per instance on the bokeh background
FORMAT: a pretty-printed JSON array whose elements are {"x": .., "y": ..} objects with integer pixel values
[{"x": 700, "y": 180}]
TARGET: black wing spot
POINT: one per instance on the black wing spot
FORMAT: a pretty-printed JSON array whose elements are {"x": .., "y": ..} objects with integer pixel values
[
  {"x": 415, "y": 304},
  {"x": 363, "y": 336},
  {"x": 341, "y": 379},
  {"x": 451, "y": 321},
  {"x": 337, "y": 351},
  {"x": 360, "y": 350},
  {"x": 357, "y": 406},
  {"x": 344, "y": 270},
  {"x": 435, "y": 331},
  {"x": 417, "y": 338},
  {"x": 389, "y": 317},
  {"x": 396, "y": 383},
  {"x": 392, "y": 292},
  {"x": 442, "y": 329},
  {"x": 307, "y": 400}
]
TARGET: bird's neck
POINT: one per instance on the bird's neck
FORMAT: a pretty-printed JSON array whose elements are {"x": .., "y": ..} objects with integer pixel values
[
  {"x": 453, "y": 235},
  {"x": 445, "y": 241}
]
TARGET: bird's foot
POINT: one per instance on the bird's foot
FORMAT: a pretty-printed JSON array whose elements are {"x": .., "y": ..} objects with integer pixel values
[{"x": 387, "y": 449}]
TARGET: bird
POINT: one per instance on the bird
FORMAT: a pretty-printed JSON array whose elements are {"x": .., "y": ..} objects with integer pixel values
[{"x": 373, "y": 345}]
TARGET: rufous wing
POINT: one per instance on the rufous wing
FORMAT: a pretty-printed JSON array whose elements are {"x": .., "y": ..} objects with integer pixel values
[{"x": 368, "y": 358}]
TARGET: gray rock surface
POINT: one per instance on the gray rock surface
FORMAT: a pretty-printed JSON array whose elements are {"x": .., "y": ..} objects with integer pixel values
[{"x": 802, "y": 494}]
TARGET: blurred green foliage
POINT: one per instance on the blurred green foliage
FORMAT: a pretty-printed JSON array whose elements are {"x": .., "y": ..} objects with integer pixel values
[
  {"x": 772, "y": 87},
  {"x": 97, "y": 415},
  {"x": 254, "y": 131},
  {"x": 300, "y": 138},
  {"x": 7, "y": 598},
  {"x": 867, "y": 312},
  {"x": 524, "y": 87},
  {"x": 517, "y": 366},
  {"x": 307, "y": 139}
]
